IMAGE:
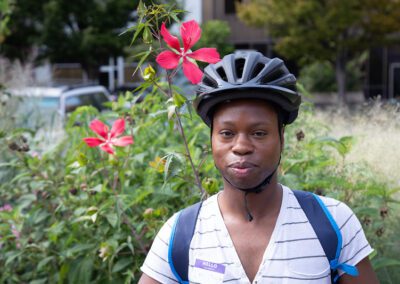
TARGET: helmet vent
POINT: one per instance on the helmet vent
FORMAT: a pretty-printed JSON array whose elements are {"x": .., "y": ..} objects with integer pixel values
[
  {"x": 222, "y": 74},
  {"x": 273, "y": 76},
  {"x": 239, "y": 66},
  {"x": 210, "y": 82},
  {"x": 259, "y": 67}
]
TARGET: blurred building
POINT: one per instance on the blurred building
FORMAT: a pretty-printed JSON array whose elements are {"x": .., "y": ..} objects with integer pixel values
[
  {"x": 383, "y": 73},
  {"x": 242, "y": 36}
]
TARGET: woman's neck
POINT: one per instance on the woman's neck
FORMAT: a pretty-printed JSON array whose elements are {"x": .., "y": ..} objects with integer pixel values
[{"x": 262, "y": 205}]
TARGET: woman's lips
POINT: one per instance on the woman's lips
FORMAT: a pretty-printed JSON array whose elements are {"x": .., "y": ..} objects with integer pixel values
[
  {"x": 241, "y": 171},
  {"x": 242, "y": 168}
]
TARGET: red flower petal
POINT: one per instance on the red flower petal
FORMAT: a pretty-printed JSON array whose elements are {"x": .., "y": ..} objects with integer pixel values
[
  {"x": 168, "y": 59},
  {"x": 93, "y": 141},
  {"x": 206, "y": 54},
  {"x": 118, "y": 128},
  {"x": 191, "y": 33},
  {"x": 107, "y": 148},
  {"x": 99, "y": 127},
  {"x": 171, "y": 40},
  {"x": 191, "y": 71},
  {"x": 122, "y": 141}
]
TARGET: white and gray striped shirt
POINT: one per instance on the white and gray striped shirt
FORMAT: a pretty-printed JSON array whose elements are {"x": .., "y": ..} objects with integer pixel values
[{"x": 293, "y": 255}]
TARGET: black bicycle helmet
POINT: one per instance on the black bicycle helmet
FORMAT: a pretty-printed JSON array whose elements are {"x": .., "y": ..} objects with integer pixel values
[{"x": 247, "y": 74}]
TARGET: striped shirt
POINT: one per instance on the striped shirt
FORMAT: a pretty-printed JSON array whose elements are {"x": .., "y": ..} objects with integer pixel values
[{"x": 293, "y": 255}]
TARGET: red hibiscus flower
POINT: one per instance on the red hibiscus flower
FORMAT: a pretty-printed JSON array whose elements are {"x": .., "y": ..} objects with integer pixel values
[
  {"x": 190, "y": 33},
  {"x": 108, "y": 138}
]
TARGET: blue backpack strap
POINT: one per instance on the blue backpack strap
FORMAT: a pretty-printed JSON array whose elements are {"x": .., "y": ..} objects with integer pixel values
[
  {"x": 327, "y": 231},
  {"x": 179, "y": 244}
]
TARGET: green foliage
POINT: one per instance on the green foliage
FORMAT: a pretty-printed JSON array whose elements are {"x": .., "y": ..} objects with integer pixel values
[
  {"x": 319, "y": 31},
  {"x": 5, "y": 11},
  {"x": 84, "y": 31},
  {"x": 88, "y": 217}
]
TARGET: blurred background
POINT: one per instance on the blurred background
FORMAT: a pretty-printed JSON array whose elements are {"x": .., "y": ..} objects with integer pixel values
[
  {"x": 57, "y": 56},
  {"x": 346, "y": 51}
]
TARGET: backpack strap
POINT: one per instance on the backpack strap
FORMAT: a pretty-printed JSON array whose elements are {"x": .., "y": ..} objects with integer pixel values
[
  {"x": 327, "y": 231},
  {"x": 179, "y": 244}
]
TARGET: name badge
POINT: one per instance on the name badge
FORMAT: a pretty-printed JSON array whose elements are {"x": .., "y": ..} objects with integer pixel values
[
  {"x": 208, "y": 272},
  {"x": 208, "y": 265}
]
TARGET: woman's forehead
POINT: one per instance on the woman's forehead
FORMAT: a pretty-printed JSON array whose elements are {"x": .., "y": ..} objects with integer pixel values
[{"x": 248, "y": 109}]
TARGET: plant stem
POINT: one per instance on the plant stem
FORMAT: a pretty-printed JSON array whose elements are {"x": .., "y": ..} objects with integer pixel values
[{"x": 182, "y": 132}]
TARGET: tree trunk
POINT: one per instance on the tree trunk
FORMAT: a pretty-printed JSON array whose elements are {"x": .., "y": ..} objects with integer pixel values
[{"x": 341, "y": 61}]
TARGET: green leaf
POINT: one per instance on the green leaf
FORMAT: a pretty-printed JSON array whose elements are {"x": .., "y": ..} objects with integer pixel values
[
  {"x": 121, "y": 264},
  {"x": 147, "y": 36},
  {"x": 112, "y": 218},
  {"x": 144, "y": 57},
  {"x": 11, "y": 257},
  {"x": 347, "y": 143},
  {"x": 39, "y": 216},
  {"x": 63, "y": 272},
  {"x": 174, "y": 17},
  {"x": 79, "y": 248},
  {"x": 55, "y": 230},
  {"x": 26, "y": 200},
  {"x": 179, "y": 100},
  {"x": 139, "y": 28},
  {"x": 168, "y": 162},
  {"x": 129, "y": 244},
  {"x": 81, "y": 271}
]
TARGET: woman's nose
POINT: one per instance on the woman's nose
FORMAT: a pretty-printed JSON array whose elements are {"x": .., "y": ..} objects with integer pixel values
[{"x": 242, "y": 145}]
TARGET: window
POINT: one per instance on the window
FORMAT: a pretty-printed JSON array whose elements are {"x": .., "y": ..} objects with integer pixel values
[{"x": 230, "y": 6}]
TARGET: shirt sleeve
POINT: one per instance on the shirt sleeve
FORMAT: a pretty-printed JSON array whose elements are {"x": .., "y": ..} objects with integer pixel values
[
  {"x": 355, "y": 246},
  {"x": 156, "y": 264}
]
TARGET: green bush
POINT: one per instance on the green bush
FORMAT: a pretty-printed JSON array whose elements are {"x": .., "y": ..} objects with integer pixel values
[{"x": 80, "y": 215}]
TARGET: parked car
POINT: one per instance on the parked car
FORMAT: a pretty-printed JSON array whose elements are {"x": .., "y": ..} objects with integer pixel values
[
  {"x": 46, "y": 103},
  {"x": 63, "y": 99},
  {"x": 45, "y": 109}
]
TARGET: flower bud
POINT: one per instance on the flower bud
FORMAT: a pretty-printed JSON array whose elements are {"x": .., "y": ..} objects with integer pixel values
[
  {"x": 149, "y": 74},
  {"x": 13, "y": 146},
  {"x": 300, "y": 135}
]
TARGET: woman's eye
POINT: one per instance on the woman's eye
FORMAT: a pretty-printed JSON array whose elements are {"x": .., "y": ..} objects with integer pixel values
[
  {"x": 226, "y": 133},
  {"x": 260, "y": 133}
]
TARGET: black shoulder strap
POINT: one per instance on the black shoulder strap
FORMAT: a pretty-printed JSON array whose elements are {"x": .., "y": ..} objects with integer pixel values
[
  {"x": 321, "y": 224},
  {"x": 181, "y": 236}
]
